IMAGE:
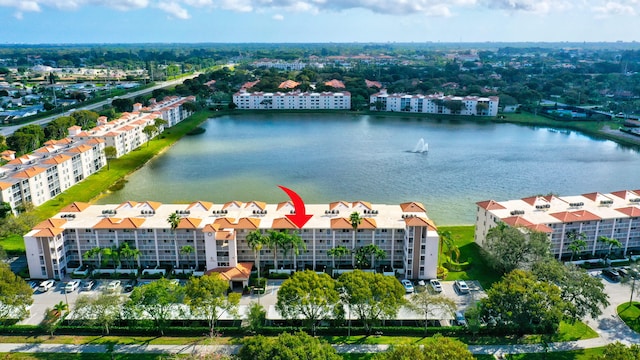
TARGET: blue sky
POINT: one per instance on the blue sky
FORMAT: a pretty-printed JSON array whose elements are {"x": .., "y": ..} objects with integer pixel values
[{"x": 132, "y": 21}]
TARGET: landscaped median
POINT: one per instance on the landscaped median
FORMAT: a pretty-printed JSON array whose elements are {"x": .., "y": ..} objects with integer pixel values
[
  {"x": 630, "y": 314},
  {"x": 96, "y": 184}
]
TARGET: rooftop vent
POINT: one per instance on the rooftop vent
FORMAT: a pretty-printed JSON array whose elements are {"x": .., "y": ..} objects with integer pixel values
[
  {"x": 576, "y": 204},
  {"x": 517, "y": 212}
]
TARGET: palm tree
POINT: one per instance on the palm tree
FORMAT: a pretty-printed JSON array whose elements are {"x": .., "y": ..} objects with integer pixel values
[
  {"x": 447, "y": 241},
  {"x": 364, "y": 255},
  {"x": 186, "y": 250},
  {"x": 256, "y": 240},
  {"x": 112, "y": 253},
  {"x": 128, "y": 253},
  {"x": 293, "y": 243},
  {"x": 93, "y": 253},
  {"x": 174, "y": 221},
  {"x": 578, "y": 243},
  {"x": 272, "y": 241},
  {"x": 611, "y": 242},
  {"x": 355, "y": 221},
  {"x": 339, "y": 252},
  {"x": 60, "y": 308}
]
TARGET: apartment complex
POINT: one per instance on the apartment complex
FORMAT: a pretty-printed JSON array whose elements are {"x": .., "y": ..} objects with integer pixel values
[
  {"x": 615, "y": 215},
  {"x": 48, "y": 171},
  {"x": 435, "y": 104},
  {"x": 293, "y": 100},
  {"x": 42, "y": 175},
  {"x": 217, "y": 233}
]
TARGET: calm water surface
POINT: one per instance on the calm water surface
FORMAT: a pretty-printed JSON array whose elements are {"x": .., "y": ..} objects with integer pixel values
[{"x": 333, "y": 157}]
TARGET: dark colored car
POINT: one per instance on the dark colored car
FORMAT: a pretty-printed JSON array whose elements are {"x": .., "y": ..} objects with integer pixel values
[
  {"x": 128, "y": 287},
  {"x": 612, "y": 274}
]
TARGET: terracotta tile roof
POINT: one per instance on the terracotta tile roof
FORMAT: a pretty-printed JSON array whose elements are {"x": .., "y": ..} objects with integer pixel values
[
  {"x": 249, "y": 84},
  {"x": 50, "y": 223},
  {"x": 93, "y": 140},
  {"x": 75, "y": 207},
  {"x": 341, "y": 223},
  {"x": 364, "y": 203},
  {"x": 49, "y": 232},
  {"x": 115, "y": 223},
  {"x": 631, "y": 211},
  {"x": 283, "y": 223},
  {"x": 370, "y": 84},
  {"x": 335, "y": 204},
  {"x": 75, "y": 127},
  {"x": 248, "y": 223},
  {"x": 189, "y": 223},
  {"x": 152, "y": 204},
  {"x": 232, "y": 204},
  {"x": 413, "y": 207},
  {"x": 284, "y": 204},
  {"x": 224, "y": 223},
  {"x": 334, "y": 83},
  {"x": 288, "y": 84},
  {"x": 224, "y": 235},
  {"x": 240, "y": 272},
  {"x": 29, "y": 173},
  {"x": 58, "y": 159},
  {"x": 532, "y": 200},
  {"x": 8, "y": 152},
  {"x": 540, "y": 228},
  {"x": 626, "y": 194},
  {"x": 368, "y": 223},
  {"x": 260, "y": 204},
  {"x": 211, "y": 228},
  {"x": 516, "y": 221},
  {"x": 417, "y": 221},
  {"x": 490, "y": 205},
  {"x": 205, "y": 204},
  {"x": 129, "y": 204},
  {"x": 80, "y": 149},
  {"x": 4, "y": 185},
  {"x": 571, "y": 216}
]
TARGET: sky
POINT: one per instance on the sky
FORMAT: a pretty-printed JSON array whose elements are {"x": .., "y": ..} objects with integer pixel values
[{"x": 305, "y": 21}]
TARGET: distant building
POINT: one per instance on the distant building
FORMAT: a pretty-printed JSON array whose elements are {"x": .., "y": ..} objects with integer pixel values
[
  {"x": 288, "y": 84},
  {"x": 435, "y": 104},
  {"x": 293, "y": 100},
  {"x": 337, "y": 84}
]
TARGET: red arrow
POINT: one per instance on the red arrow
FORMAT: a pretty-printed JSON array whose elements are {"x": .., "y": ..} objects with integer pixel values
[{"x": 300, "y": 217}]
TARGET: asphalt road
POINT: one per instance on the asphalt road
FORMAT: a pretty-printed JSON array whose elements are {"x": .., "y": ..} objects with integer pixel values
[{"x": 8, "y": 130}]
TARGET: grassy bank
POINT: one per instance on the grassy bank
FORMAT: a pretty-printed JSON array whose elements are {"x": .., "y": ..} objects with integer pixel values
[
  {"x": 630, "y": 314},
  {"x": 96, "y": 184}
]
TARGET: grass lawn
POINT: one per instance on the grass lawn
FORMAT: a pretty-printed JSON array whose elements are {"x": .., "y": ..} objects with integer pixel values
[
  {"x": 586, "y": 354},
  {"x": 12, "y": 243},
  {"x": 470, "y": 251},
  {"x": 82, "y": 356},
  {"x": 630, "y": 314}
]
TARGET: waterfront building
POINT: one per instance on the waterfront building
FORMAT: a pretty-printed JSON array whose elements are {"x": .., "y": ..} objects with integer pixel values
[
  {"x": 615, "y": 215},
  {"x": 42, "y": 175},
  {"x": 217, "y": 233},
  {"x": 435, "y": 104},
  {"x": 293, "y": 100}
]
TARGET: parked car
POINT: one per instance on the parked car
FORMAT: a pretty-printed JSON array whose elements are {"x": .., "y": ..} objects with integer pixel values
[
  {"x": 460, "y": 320},
  {"x": 128, "y": 287},
  {"x": 113, "y": 286},
  {"x": 624, "y": 272},
  {"x": 461, "y": 286},
  {"x": 612, "y": 274},
  {"x": 435, "y": 285},
  {"x": 408, "y": 286},
  {"x": 46, "y": 285},
  {"x": 72, "y": 286},
  {"x": 88, "y": 285}
]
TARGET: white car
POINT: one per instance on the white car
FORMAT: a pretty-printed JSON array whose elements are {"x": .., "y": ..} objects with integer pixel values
[
  {"x": 46, "y": 285},
  {"x": 461, "y": 286},
  {"x": 113, "y": 286},
  {"x": 72, "y": 286},
  {"x": 408, "y": 286},
  {"x": 435, "y": 285}
]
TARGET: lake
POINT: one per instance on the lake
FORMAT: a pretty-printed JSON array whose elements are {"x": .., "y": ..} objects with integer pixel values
[{"x": 326, "y": 157}]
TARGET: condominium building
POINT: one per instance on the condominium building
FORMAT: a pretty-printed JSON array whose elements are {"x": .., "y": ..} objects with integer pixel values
[
  {"x": 435, "y": 104},
  {"x": 293, "y": 100},
  {"x": 615, "y": 215},
  {"x": 217, "y": 234},
  {"x": 42, "y": 175}
]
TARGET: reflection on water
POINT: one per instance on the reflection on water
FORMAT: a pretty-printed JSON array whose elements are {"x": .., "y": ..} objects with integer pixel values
[{"x": 330, "y": 157}]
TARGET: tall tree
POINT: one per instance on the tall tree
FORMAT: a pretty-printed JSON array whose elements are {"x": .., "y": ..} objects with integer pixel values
[
  {"x": 366, "y": 255},
  {"x": 207, "y": 296},
  {"x": 582, "y": 293},
  {"x": 521, "y": 304},
  {"x": 309, "y": 295},
  {"x": 174, "y": 221},
  {"x": 103, "y": 310},
  {"x": 93, "y": 253},
  {"x": 298, "y": 346},
  {"x": 426, "y": 303},
  {"x": 371, "y": 296},
  {"x": 15, "y": 295},
  {"x": 187, "y": 250},
  {"x": 510, "y": 248},
  {"x": 292, "y": 242},
  {"x": 110, "y": 152},
  {"x": 435, "y": 348},
  {"x": 157, "y": 300},
  {"x": 355, "y": 220},
  {"x": 446, "y": 240},
  {"x": 256, "y": 240},
  {"x": 86, "y": 119},
  {"x": 618, "y": 351},
  {"x": 150, "y": 131}
]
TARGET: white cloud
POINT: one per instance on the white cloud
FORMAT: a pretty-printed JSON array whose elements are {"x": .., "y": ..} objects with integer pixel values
[
  {"x": 278, "y": 17},
  {"x": 174, "y": 10},
  {"x": 612, "y": 8}
]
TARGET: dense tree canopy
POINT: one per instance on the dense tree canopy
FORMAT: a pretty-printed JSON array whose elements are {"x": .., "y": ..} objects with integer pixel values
[
  {"x": 434, "y": 348},
  {"x": 157, "y": 300},
  {"x": 15, "y": 295},
  {"x": 510, "y": 248},
  {"x": 298, "y": 346},
  {"x": 207, "y": 297}
]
